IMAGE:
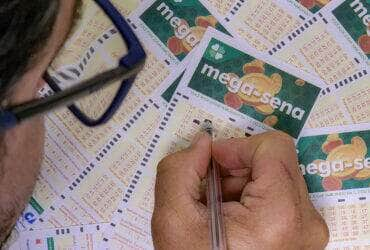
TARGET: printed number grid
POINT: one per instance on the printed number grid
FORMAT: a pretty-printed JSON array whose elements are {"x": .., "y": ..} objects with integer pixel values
[
  {"x": 183, "y": 131},
  {"x": 269, "y": 20},
  {"x": 347, "y": 222},
  {"x": 93, "y": 139},
  {"x": 103, "y": 196},
  {"x": 295, "y": 61},
  {"x": 327, "y": 113},
  {"x": 152, "y": 75},
  {"x": 328, "y": 59},
  {"x": 358, "y": 105},
  {"x": 252, "y": 40}
]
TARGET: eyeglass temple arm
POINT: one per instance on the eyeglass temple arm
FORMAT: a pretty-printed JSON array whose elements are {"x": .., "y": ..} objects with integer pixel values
[{"x": 13, "y": 115}]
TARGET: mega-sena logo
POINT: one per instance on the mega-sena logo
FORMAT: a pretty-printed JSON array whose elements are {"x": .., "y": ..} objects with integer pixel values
[
  {"x": 355, "y": 17},
  {"x": 217, "y": 51},
  {"x": 254, "y": 88}
]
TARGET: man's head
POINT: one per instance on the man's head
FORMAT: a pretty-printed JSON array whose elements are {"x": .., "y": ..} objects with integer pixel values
[
  {"x": 25, "y": 27},
  {"x": 31, "y": 33}
]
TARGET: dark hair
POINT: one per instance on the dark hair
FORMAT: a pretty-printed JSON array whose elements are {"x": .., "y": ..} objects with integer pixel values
[{"x": 25, "y": 26}]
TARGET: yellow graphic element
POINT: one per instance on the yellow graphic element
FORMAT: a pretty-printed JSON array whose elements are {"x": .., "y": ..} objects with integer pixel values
[
  {"x": 197, "y": 32},
  {"x": 300, "y": 82},
  {"x": 322, "y": 2},
  {"x": 346, "y": 153},
  {"x": 255, "y": 76},
  {"x": 363, "y": 174}
]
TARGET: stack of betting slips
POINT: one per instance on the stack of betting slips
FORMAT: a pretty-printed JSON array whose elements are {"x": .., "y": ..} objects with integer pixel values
[{"x": 249, "y": 66}]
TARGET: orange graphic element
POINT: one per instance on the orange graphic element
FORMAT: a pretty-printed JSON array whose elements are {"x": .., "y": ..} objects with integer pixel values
[
  {"x": 331, "y": 183},
  {"x": 206, "y": 21},
  {"x": 175, "y": 45},
  {"x": 364, "y": 43},
  {"x": 309, "y": 4},
  {"x": 300, "y": 82},
  {"x": 233, "y": 100},
  {"x": 271, "y": 120}
]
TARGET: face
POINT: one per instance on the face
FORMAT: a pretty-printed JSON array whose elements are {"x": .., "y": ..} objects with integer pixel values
[{"x": 21, "y": 147}]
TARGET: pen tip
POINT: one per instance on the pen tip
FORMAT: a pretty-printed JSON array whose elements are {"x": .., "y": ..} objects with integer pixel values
[{"x": 207, "y": 126}]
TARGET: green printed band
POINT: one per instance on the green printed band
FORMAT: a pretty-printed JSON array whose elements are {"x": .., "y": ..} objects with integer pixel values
[
  {"x": 254, "y": 88},
  {"x": 354, "y": 16},
  {"x": 336, "y": 161},
  {"x": 50, "y": 242},
  {"x": 179, "y": 24},
  {"x": 36, "y": 206}
]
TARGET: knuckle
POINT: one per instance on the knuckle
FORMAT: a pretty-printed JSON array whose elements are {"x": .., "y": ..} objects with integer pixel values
[
  {"x": 279, "y": 140},
  {"x": 279, "y": 136}
]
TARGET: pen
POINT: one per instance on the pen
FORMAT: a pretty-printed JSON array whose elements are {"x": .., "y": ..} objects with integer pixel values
[{"x": 214, "y": 199}]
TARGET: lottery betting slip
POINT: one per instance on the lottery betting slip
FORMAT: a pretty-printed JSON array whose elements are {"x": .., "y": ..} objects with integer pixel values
[
  {"x": 263, "y": 23},
  {"x": 101, "y": 180},
  {"x": 335, "y": 164},
  {"x": 343, "y": 103},
  {"x": 330, "y": 43},
  {"x": 175, "y": 27}
]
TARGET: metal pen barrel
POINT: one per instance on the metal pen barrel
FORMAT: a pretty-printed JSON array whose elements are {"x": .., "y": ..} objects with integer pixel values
[{"x": 214, "y": 200}]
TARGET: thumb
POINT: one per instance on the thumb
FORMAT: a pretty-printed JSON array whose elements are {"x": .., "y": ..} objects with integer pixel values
[{"x": 179, "y": 176}]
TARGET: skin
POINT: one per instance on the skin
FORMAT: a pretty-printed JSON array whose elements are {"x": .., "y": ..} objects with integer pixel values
[
  {"x": 21, "y": 148},
  {"x": 266, "y": 203}
]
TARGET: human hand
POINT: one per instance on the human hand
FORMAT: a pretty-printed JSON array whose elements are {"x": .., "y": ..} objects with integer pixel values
[{"x": 266, "y": 204}]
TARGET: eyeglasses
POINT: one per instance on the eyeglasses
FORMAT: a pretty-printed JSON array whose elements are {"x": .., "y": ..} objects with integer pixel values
[{"x": 92, "y": 99}]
